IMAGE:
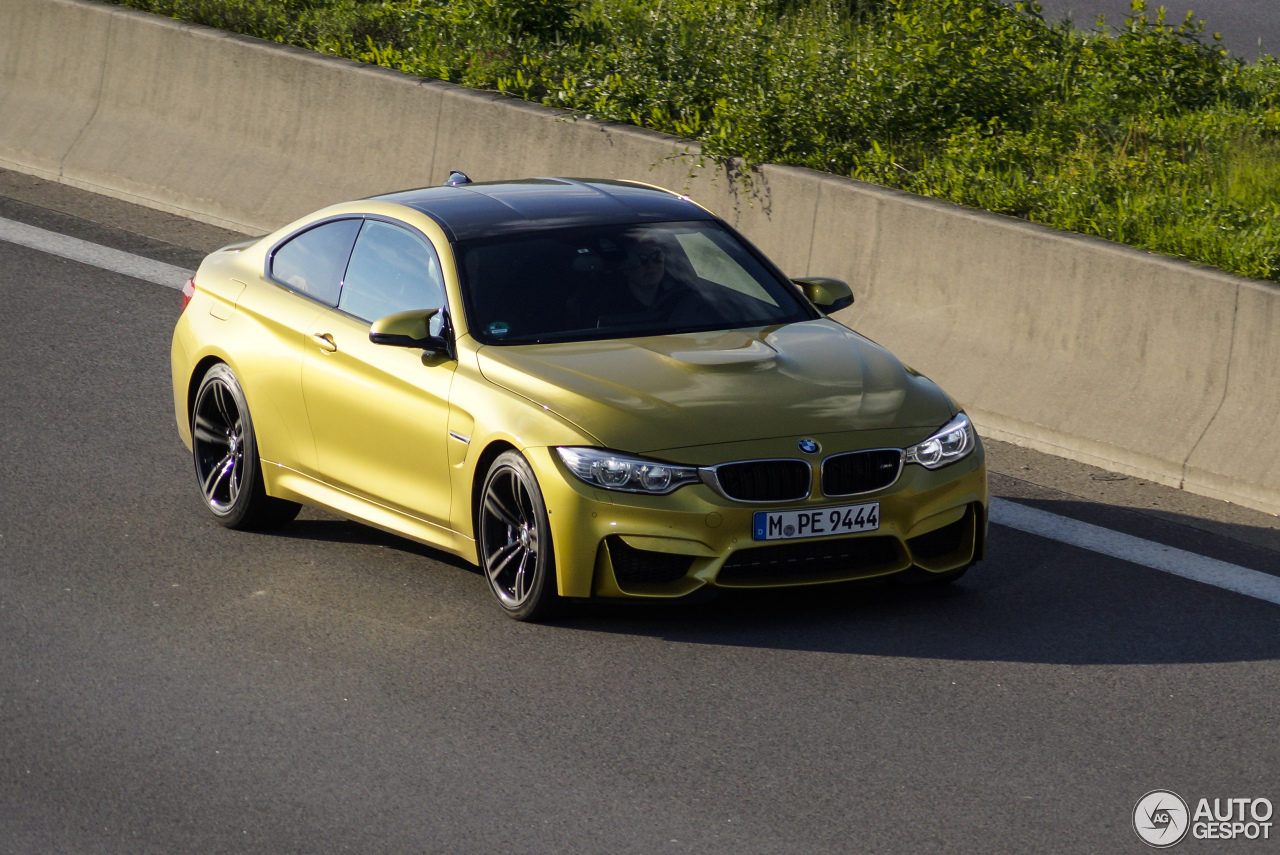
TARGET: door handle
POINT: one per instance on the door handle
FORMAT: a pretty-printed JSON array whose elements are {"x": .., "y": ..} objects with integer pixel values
[{"x": 324, "y": 341}]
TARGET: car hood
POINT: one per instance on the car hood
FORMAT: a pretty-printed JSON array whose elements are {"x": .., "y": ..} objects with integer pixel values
[{"x": 675, "y": 391}]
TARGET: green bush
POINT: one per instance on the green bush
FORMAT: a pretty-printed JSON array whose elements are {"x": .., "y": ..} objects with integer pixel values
[{"x": 1148, "y": 133}]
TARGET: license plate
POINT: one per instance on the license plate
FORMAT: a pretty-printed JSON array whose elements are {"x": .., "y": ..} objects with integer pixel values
[{"x": 819, "y": 522}]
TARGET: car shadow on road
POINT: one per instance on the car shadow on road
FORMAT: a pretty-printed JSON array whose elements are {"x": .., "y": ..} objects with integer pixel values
[
  {"x": 1031, "y": 600},
  {"x": 321, "y": 527}
]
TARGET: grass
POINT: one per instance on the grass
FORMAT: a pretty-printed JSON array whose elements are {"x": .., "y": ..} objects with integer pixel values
[{"x": 1147, "y": 133}]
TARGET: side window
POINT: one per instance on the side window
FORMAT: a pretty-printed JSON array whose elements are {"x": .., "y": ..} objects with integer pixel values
[
  {"x": 313, "y": 261},
  {"x": 391, "y": 270}
]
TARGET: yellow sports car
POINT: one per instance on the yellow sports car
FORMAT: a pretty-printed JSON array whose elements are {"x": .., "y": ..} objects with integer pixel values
[{"x": 589, "y": 388}]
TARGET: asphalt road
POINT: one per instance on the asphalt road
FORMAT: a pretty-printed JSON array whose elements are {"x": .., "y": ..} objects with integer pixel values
[
  {"x": 170, "y": 686},
  {"x": 1243, "y": 24}
]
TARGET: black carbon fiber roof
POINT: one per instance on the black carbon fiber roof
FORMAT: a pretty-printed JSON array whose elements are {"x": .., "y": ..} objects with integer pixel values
[{"x": 496, "y": 208}]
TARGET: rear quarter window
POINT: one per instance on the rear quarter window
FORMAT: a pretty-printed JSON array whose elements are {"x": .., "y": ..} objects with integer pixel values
[{"x": 313, "y": 262}]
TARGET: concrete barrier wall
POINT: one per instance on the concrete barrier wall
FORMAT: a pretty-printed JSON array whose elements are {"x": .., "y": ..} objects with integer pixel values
[
  {"x": 1072, "y": 345},
  {"x": 51, "y": 59},
  {"x": 1236, "y": 460}
]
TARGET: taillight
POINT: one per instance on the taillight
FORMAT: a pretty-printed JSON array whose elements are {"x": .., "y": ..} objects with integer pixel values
[{"x": 188, "y": 291}]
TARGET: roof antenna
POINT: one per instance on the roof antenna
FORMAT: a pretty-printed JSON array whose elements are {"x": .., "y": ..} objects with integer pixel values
[{"x": 457, "y": 179}]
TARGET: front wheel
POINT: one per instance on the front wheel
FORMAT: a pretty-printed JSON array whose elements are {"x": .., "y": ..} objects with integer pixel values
[
  {"x": 515, "y": 540},
  {"x": 225, "y": 451}
]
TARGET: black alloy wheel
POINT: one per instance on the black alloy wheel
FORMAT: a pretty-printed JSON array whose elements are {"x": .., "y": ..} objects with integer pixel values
[
  {"x": 515, "y": 540},
  {"x": 225, "y": 452}
]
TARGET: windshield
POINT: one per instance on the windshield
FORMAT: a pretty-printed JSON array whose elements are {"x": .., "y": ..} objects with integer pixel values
[{"x": 619, "y": 281}]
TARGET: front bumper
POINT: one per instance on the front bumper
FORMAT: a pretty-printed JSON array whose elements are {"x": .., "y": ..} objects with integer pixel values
[{"x": 614, "y": 544}]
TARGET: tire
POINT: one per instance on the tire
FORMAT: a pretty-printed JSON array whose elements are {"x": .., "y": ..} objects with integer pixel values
[
  {"x": 916, "y": 577},
  {"x": 225, "y": 451},
  {"x": 514, "y": 540}
]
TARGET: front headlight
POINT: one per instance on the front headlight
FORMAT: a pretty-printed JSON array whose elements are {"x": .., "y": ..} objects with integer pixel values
[
  {"x": 613, "y": 471},
  {"x": 952, "y": 443}
]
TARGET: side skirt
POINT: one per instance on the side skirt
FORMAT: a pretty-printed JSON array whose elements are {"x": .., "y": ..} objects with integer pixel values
[{"x": 285, "y": 483}]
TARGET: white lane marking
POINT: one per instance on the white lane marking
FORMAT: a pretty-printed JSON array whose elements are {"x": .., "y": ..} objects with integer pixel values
[
  {"x": 1135, "y": 550},
  {"x": 91, "y": 253}
]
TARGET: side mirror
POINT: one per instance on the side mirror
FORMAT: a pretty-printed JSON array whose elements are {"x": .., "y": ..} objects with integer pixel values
[
  {"x": 829, "y": 295},
  {"x": 408, "y": 329}
]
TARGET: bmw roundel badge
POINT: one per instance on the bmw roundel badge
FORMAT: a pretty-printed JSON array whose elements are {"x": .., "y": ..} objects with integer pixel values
[{"x": 808, "y": 446}]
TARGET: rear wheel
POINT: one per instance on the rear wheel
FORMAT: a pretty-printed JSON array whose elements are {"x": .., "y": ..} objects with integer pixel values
[
  {"x": 515, "y": 540},
  {"x": 225, "y": 451}
]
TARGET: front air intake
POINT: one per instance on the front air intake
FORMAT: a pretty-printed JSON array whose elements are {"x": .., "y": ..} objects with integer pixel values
[
  {"x": 633, "y": 566},
  {"x": 827, "y": 560}
]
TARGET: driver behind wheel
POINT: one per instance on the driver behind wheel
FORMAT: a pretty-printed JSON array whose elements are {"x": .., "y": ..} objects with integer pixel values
[{"x": 645, "y": 273}]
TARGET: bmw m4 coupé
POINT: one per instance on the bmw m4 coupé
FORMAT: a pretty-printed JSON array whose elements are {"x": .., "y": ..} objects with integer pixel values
[{"x": 589, "y": 388}]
